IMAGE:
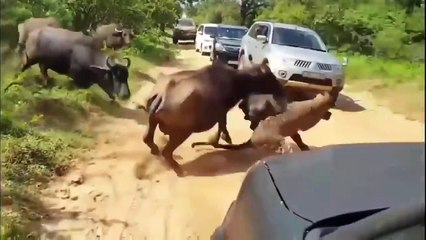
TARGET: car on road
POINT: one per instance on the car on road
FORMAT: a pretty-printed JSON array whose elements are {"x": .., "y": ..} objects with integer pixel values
[
  {"x": 185, "y": 29},
  {"x": 204, "y": 41},
  {"x": 226, "y": 43},
  {"x": 295, "y": 54},
  {"x": 344, "y": 192}
]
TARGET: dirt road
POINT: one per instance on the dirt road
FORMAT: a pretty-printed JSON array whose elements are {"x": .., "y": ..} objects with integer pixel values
[{"x": 110, "y": 202}]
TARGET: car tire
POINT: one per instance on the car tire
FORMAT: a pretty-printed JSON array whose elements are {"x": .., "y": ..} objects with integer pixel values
[
  {"x": 201, "y": 49},
  {"x": 175, "y": 40}
]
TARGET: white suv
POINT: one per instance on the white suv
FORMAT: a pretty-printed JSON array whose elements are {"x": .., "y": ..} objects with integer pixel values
[
  {"x": 203, "y": 40},
  {"x": 294, "y": 53}
]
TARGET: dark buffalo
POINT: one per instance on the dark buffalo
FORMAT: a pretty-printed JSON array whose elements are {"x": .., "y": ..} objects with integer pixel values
[
  {"x": 73, "y": 54},
  {"x": 197, "y": 101}
]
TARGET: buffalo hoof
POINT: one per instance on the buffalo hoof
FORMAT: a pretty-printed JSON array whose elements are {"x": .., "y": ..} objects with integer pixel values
[
  {"x": 179, "y": 172},
  {"x": 304, "y": 148},
  {"x": 155, "y": 151},
  {"x": 327, "y": 116},
  {"x": 226, "y": 138}
]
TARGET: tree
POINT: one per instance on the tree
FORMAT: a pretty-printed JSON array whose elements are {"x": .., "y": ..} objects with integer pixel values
[{"x": 250, "y": 9}]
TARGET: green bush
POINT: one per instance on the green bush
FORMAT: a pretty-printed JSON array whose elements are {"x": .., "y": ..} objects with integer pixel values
[
  {"x": 153, "y": 47},
  {"x": 389, "y": 43},
  {"x": 389, "y": 71},
  {"x": 33, "y": 158}
]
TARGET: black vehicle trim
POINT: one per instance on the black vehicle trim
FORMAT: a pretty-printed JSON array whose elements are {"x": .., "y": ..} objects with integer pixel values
[
  {"x": 281, "y": 196},
  {"x": 342, "y": 219}
]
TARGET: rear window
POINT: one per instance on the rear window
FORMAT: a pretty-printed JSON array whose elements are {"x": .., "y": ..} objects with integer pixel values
[{"x": 186, "y": 22}]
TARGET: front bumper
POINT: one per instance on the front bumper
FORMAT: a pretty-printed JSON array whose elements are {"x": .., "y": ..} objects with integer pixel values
[
  {"x": 228, "y": 57},
  {"x": 182, "y": 35},
  {"x": 308, "y": 77}
]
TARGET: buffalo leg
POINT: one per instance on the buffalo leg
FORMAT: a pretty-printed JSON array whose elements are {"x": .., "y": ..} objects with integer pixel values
[
  {"x": 298, "y": 140},
  {"x": 175, "y": 140},
  {"x": 45, "y": 76},
  {"x": 222, "y": 132},
  {"x": 148, "y": 137},
  {"x": 27, "y": 64}
]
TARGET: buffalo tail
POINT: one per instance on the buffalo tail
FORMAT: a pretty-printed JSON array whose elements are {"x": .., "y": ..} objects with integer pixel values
[{"x": 155, "y": 103}]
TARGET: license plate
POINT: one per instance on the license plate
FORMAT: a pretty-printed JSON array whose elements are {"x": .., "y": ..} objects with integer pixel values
[
  {"x": 313, "y": 75},
  {"x": 233, "y": 62}
]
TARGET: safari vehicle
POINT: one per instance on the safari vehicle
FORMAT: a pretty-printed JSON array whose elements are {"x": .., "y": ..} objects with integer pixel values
[
  {"x": 185, "y": 29},
  {"x": 343, "y": 192},
  {"x": 204, "y": 41},
  {"x": 226, "y": 43},
  {"x": 296, "y": 55}
]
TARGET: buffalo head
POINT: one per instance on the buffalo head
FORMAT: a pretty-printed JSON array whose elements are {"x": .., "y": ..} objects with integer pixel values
[
  {"x": 125, "y": 34},
  {"x": 263, "y": 79},
  {"x": 114, "y": 80}
]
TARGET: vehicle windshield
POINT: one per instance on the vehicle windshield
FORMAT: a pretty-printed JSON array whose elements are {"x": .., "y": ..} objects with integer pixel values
[
  {"x": 186, "y": 22},
  {"x": 237, "y": 33},
  {"x": 297, "y": 38},
  {"x": 210, "y": 30}
]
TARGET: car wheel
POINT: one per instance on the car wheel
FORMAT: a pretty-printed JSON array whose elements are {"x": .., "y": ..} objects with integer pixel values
[
  {"x": 201, "y": 49},
  {"x": 175, "y": 40}
]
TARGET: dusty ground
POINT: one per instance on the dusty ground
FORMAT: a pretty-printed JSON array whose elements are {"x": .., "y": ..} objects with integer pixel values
[{"x": 110, "y": 202}]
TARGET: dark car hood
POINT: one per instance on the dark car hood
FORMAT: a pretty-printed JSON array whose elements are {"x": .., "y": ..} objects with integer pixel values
[
  {"x": 338, "y": 179},
  {"x": 229, "y": 41}
]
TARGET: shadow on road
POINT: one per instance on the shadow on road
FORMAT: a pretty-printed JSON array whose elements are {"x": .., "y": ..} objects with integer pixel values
[
  {"x": 222, "y": 162},
  {"x": 118, "y": 111},
  {"x": 348, "y": 104}
]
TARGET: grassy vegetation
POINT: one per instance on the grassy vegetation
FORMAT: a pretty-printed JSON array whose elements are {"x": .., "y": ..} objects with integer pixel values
[
  {"x": 41, "y": 131},
  {"x": 397, "y": 84}
]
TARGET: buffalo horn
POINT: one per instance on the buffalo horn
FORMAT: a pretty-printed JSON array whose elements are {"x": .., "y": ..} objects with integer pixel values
[
  {"x": 108, "y": 62},
  {"x": 128, "y": 61},
  {"x": 118, "y": 30}
]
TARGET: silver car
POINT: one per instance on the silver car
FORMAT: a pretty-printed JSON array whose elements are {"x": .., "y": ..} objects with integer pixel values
[{"x": 295, "y": 54}]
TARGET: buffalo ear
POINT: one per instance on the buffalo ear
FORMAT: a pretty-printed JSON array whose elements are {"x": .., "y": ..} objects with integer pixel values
[{"x": 99, "y": 69}]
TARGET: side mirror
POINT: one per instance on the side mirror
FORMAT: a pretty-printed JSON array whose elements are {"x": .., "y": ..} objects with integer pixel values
[
  {"x": 261, "y": 38},
  {"x": 200, "y": 33}
]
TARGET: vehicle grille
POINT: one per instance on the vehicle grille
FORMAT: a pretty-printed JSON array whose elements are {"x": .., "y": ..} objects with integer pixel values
[
  {"x": 302, "y": 64},
  {"x": 232, "y": 48},
  {"x": 324, "y": 66},
  {"x": 300, "y": 78}
]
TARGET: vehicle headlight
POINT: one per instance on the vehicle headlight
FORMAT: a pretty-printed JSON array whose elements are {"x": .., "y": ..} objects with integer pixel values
[
  {"x": 219, "y": 47},
  {"x": 337, "y": 67}
]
